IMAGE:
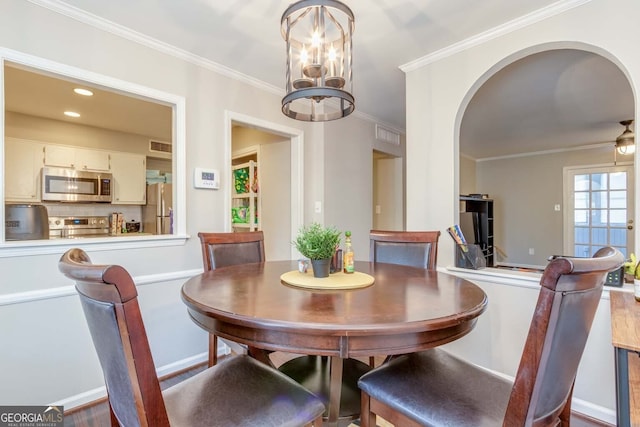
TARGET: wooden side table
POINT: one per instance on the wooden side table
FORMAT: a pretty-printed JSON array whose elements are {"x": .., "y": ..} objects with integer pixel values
[{"x": 625, "y": 336}]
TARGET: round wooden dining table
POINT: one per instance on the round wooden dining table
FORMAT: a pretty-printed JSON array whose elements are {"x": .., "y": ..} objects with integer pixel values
[{"x": 406, "y": 309}]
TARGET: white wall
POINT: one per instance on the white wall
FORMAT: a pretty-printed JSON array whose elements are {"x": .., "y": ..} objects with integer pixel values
[
  {"x": 438, "y": 92},
  {"x": 48, "y": 356}
]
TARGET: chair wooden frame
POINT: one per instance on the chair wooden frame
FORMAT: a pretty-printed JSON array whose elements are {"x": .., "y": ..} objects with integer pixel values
[
  {"x": 387, "y": 236},
  {"x": 210, "y": 239},
  {"x": 110, "y": 301},
  {"x": 431, "y": 237},
  {"x": 567, "y": 283}
]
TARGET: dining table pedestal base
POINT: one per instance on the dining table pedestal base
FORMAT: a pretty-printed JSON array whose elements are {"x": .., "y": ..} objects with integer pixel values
[{"x": 314, "y": 373}]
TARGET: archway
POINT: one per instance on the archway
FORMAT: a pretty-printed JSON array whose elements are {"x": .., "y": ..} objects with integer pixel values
[{"x": 527, "y": 118}]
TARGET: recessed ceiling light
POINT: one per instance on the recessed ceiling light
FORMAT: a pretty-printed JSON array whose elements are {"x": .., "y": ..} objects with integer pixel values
[
  {"x": 71, "y": 114},
  {"x": 85, "y": 92}
]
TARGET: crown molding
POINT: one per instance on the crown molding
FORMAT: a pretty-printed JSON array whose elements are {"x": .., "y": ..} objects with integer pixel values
[
  {"x": 100, "y": 23},
  {"x": 137, "y": 37},
  {"x": 501, "y": 30},
  {"x": 596, "y": 146}
]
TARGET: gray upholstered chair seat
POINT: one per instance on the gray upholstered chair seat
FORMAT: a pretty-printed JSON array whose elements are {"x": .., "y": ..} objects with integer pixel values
[
  {"x": 272, "y": 402},
  {"x": 459, "y": 394}
]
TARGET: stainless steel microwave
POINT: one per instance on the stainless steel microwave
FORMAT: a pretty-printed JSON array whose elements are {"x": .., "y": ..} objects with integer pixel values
[{"x": 70, "y": 185}]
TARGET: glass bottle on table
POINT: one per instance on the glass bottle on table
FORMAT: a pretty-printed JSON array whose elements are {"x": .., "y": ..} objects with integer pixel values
[{"x": 348, "y": 254}]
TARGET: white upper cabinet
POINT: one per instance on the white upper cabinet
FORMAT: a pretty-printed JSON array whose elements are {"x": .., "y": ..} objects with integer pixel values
[
  {"x": 76, "y": 158},
  {"x": 23, "y": 162},
  {"x": 129, "y": 176}
]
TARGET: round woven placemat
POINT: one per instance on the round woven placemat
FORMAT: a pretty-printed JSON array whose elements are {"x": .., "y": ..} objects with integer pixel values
[{"x": 338, "y": 280}]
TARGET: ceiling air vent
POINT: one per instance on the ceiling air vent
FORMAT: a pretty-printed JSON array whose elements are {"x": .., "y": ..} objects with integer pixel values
[
  {"x": 387, "y": 135},
  {"x": 159, "y": 146}
]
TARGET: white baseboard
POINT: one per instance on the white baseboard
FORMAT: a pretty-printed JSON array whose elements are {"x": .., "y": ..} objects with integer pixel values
[
  {"x": 182, "y": 364},
  {"x": 594, "y": 411},
  {"x": 101, "y": 392}
]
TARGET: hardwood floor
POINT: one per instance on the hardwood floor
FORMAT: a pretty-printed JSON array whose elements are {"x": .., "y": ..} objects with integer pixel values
[{"x": 97, "y": 413}]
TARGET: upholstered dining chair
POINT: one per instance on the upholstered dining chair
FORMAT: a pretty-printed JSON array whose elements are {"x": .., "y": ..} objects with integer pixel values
[
  {"x": 225, "y": 249},
  {"x": 435, "y": 388},
  {"x": 412, "y": 248},
  {"x": 237, "y": 392}
]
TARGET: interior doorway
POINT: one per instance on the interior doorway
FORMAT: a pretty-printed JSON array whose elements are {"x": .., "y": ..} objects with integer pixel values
[
  {"x": 388, "y": 192},
  {"x": 275, "y": 154}
]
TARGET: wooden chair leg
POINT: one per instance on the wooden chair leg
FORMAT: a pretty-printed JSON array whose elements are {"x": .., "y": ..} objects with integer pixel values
[
  {"x": 112, "y": 415},
  {"x": 367, "y": 418},
  {"x": 372, "y": 362},
  {"x": 565, "y": 415},
  {"x": 213, "y": 350}
]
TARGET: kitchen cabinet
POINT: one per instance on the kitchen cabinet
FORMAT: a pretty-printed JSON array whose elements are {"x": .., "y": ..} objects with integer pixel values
[
  {"x": 245, "y": 206},
  {"x": 129, "y": 177},
  {"x": 23, "y": 162},
  {"x": 76, "y": 158}
]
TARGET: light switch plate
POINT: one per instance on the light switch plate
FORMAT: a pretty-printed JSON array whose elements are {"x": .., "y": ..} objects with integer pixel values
[{"x": 206, "y": 178}]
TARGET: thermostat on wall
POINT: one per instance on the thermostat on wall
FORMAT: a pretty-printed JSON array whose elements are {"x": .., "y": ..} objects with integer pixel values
[{"x": 206, "y": 178}]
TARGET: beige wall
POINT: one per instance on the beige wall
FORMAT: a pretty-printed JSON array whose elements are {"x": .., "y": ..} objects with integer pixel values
[
  {"x": 59, "y": 132},
  {"x": 348, "y": 176},
  {"x": 524, "y": 203},
  {"x": 388, "y": 193},
  {"x": 467, "y": 175},
  {"x": 42, "y": 319},
  {"x": 438, "y": 92}
]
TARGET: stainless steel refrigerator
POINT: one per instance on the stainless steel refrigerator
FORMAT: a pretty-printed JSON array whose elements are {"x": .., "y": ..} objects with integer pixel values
[{"x": 157, "y": 215}]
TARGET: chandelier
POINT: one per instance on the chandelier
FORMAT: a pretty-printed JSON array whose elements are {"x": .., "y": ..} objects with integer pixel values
[
  {"x": 319, "y": 86},
  {"x": 625, "y": 142}
]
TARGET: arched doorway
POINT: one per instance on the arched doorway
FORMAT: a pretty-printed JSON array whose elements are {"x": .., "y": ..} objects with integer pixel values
[{"x": 527, "y": 120}]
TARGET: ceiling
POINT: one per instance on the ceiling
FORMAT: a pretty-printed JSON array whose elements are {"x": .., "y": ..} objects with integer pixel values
[
  {"x": 542, "y": 102},
  {"x": 43, "y": 95}
]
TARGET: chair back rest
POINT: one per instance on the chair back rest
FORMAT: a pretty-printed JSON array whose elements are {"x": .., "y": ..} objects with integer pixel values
[
  {"x": 224, "y": 249},
  {"x": 110, "y": 303},
  {"x": 411, "y": 248},
  {"x": 569, "y": 296}
]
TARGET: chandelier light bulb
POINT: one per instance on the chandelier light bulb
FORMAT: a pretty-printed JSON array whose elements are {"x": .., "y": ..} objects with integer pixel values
[
  {"x": 318, "y": 34},
  {"x": 333, "y": 55},
  {"x": 315, "y": 39}
]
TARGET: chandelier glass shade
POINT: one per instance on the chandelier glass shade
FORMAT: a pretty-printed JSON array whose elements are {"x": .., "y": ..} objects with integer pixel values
[
  {"x": 318, "y": 36},
  {"x": 625, "y": 143}
]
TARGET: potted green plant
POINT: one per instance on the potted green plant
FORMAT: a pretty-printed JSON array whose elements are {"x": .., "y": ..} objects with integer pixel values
[
  {"x": 318, "y": 243},
  {"x": 632, "y": 270}
]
